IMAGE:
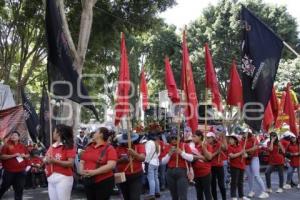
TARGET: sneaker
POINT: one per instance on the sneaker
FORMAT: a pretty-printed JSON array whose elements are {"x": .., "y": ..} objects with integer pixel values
[
  {"x": 263, "y": 195},
  {"x": 298, "y": 186},
  {"x": 234, "y": 198},
  {"x": 280, "y": 190},
  {"x": 157, "y": 195},
  {"x": 149, "y": 197},
  {"x": 269, "y": 190},
  {"x": 245, "y": 198},
  {"x": 251, "y": 194},
  {"x": 287, "y": 186}
]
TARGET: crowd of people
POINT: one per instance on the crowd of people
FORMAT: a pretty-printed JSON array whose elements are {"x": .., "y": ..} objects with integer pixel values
[{"x": 158, "y": 159}]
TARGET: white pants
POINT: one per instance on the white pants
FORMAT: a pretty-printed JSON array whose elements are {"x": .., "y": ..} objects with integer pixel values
[{"x": 60, "y": 186}]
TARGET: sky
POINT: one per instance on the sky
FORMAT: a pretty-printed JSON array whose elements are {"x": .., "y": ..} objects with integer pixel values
[{"x": 188, "y": 10}]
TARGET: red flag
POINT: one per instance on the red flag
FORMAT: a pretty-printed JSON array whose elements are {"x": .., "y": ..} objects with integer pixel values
[
  {"x": 281, "y": 118},
  {"x": 122, "y": 104},
  {"x": 274, "y": 104},
  {"x": 289, "y": 110},
  {"x": 188, "y": 86},
  {"x": 170, "y": 82},
  {"x": 235, "y": 89},
  {"x": 268, "y": 117},
  {"x": 211, "y": 79},
  {"x": 144, "y": 90}
]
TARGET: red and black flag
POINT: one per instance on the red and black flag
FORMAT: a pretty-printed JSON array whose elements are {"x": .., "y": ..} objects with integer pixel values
[
  {"x": 63, "y": 80},
  {"x": 261, "y": 52}
]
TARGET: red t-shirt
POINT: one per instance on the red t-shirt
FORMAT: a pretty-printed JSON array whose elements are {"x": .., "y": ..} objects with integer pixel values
[
  {"x": 181, "y": 162},
  {"x": 136, "y": 165},
  {"x": 238, "y": 162},
  {"x": 63, "y": 154},
  {"x": 91, "y": 155},
  {"x": 250, "y": 143},
  {"x": 295, "y": 160},
  {"x": 36, "y": 164},
  {"x": 217, "y": 161},
  {"x": 202, "y": 168},
  {"x": 12, "y": 164},
  {"x": 276, "y": 157},
  {"x": 162, "y": 148}
]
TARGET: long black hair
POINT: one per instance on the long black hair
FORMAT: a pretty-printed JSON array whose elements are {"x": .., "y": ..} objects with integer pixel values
[{"x": 66, "y": 135}]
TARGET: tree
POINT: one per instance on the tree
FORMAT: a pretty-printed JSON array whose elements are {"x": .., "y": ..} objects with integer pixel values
[{"x": 22, "y": 47}]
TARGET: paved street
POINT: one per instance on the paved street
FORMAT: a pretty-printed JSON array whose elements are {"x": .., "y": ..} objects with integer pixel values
[{"x": 41, "y": 193}]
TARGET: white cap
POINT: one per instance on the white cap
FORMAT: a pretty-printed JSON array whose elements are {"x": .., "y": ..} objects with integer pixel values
[{"x": 211, "y": 134}]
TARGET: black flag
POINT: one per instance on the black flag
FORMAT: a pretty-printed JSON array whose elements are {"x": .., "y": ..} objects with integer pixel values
[
  {"x": 32, "y": 120},
  {"x": 261, "y": 49},
  {"x": 61, "y": 74},
  {"x": 44, "y": 131}
]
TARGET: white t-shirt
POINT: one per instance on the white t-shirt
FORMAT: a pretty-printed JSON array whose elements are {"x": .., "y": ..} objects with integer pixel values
[{"x": 151, "y": 154}]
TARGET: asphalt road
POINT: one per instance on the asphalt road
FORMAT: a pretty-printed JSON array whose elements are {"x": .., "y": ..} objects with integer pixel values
[{"x": 42, "y": 194}]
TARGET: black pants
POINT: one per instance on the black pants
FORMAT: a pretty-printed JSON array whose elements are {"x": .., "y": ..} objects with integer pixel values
[
  {"x": 237, "y": 182},
  {"x": 15, "y": 179},
  {"x": 269, "y": 171},
  {"x": 203, "y": 187},
  {"x": 102, "y": 190},
  {"x": 177, "y": 183},
  {"x": 132, "y": 188},
  {"x": 217, "y": 173}
]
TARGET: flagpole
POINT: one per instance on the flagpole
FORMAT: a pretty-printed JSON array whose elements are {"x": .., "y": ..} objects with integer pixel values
[
  {"x": 50, "y": 127},
  {"x": 129, "y": 141},
  {"x": 205, "y": 114},
  {"x": 178, "y": 132},
  {"x": 290, "y": 48}
]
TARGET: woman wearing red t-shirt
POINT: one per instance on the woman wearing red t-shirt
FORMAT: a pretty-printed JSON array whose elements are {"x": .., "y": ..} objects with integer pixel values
[
  {"x": 132, "y": 188},
  {"x": 293, "y": 150},
  {"x": 237, "y": 166},
  {"x": 98, "y": 160},
  {"x": 276, "y": 161},
  {"x": 201, "y": 166},
  {"x": 219, "y": 148},
  {"x": 59, "y": 161},
  {"x": 13, "y": 155},
  {"x": 177, "y": 175}
]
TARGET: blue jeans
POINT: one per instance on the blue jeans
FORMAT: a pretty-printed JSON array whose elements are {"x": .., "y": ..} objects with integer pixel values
[
  {"x": 162, "y": 175},
  {"x": 290, "y": 173},
  {"x": 153, "y": 179},
  {"x": 252, "y": 171}
]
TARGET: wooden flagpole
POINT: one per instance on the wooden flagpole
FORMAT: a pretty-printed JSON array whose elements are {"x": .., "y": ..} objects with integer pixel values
[
  {"x": 178, "y": 131},
  {"x": 50, "y": 127},
  {"x": 129, "y": 141}
]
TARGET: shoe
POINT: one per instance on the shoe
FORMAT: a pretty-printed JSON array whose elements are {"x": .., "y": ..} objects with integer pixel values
[
  {"x": 149, "y": 197},
  {"x": 245, "y": 198},
  {"x": 251, "y": 194},
  {"x": 263, "y": 195},
  {"x": 280, "y": 190},
  {"x": 287, "y": 186},
  {"x": 157, "y": 195},
  {"x": 269, "y": 190},
  {"x": 298, "y": 186},
  {"x": 234, "y": 198}
]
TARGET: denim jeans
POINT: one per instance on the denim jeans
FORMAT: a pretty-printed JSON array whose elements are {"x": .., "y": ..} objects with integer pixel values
[
  {"x": 290, "y": 173},
  {"x": 252, "y": 171},
  {"x": 162, "y": 175},
  {"x": 153, "y": 179}
]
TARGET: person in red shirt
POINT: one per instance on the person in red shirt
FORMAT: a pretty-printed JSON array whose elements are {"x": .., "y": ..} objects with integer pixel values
[
  {"x": 177, "y": 171},
  {"x": 37, "y": 169},
  {"x": 236, "y": 154},
  {"x": 293, "y": 153},
  {"x": 201, "y": 166},
  {"x": 219, "y": 148},
  {"x": 132, "y": 188},
  {"x": 59, "y": 162},
  {"x": 13, "y": 155},
  {"x": 276, "y": 161},
  {"x": 98, "y": 161},
  {"x": 252, "y": 164}
]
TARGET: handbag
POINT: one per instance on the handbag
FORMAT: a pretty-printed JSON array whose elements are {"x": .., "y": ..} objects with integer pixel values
[
  {"x": 88, "y": 181},
  {"x": 120, "y": 177},
  {"x": 146, "y": 164}
]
